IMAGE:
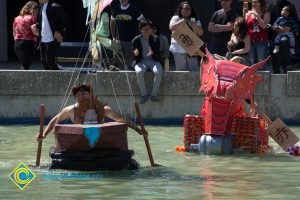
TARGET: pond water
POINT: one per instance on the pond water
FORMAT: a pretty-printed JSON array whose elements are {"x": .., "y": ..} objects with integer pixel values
[{"x": 182, "y": 175}]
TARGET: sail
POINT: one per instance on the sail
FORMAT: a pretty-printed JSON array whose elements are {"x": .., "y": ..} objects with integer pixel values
[
  {"x": 90, "y": 5},
  {"x": 100, "y": 13}
]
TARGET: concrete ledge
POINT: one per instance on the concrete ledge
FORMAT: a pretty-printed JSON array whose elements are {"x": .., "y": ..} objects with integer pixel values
[
  {"x": 293, "y": 83},
  {"x": 23, "y": 91}
]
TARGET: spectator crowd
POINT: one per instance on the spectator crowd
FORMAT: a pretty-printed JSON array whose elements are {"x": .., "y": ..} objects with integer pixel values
[{"x": 262, "y": 29}]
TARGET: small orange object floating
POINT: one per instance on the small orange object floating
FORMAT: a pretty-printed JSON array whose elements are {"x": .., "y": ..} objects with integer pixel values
[{"x": 180, "y": 148}]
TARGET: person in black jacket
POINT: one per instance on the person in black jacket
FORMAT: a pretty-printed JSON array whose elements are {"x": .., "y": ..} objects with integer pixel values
[
  {"x": 51, "y": 28},
  {"x": 146, "y": 49}
]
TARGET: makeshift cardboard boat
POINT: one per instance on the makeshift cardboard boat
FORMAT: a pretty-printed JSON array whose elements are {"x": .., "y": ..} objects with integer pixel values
[{"x": 92, "y": 147}]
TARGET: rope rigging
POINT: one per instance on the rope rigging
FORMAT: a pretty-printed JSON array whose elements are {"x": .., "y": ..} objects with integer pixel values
[{"x": 95, "y": 14}]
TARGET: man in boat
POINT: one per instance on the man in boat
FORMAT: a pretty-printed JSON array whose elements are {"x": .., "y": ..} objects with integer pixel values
[{"x": 79, "y": 112}]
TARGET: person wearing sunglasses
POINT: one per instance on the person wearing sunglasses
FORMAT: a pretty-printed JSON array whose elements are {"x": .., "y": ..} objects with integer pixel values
[{"x": 221, "y": 25}]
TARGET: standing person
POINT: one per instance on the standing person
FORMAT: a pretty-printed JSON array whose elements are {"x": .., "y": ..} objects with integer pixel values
[
  {"x": 282, "y": 57},
  {"x": 25, "y": 39},
  {"x": 275, "y": 8},
  {"x": 123, "y": 26},
  {"x": 147, "y": 55},
  {"x": 185, "y": 13},
  {"x": 285, "y": 26},
  {"x": 221, "y": 25},
  {"x": 239, "y": 43},
  {"x": 51, "y": 28},
  {"x": 257, "y": 21}
]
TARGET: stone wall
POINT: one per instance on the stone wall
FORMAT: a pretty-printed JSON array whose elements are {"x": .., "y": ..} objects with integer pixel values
[{"x": 21, "y": 93}]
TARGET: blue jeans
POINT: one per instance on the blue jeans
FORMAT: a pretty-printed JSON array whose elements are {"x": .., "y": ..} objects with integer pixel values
[
  {"x": 140, "y": 69},
  {"x": 258, "y": 52}
]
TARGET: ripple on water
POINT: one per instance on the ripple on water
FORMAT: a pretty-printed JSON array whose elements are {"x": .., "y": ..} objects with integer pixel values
[{"x": 182, "y": 176}]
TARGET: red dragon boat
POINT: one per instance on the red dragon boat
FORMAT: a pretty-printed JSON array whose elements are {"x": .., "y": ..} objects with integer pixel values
[{"x": 223, "y": 127}]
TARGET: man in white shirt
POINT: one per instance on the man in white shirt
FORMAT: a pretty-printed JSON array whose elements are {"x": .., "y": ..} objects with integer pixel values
[{"x": 51, "y": 27}]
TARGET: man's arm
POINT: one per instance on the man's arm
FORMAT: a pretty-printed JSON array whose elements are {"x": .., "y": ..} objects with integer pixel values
[
  {"x": 108, "y": 112},
  {"x": 112, "y": 26},
  {"x": 217, "y": 28},
  {"x": 61, "y": 19},
  {"x": 63, "y": 115}
]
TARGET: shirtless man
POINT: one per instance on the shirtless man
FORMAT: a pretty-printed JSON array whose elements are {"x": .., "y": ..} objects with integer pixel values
[{"x": 82, "y": 93}]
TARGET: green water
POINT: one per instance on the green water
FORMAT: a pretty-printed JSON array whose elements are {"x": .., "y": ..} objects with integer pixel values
[{"x": 183, "y": 175}]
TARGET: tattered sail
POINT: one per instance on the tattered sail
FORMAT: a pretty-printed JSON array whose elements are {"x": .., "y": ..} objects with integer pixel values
[{"x": 99, "y": 12}]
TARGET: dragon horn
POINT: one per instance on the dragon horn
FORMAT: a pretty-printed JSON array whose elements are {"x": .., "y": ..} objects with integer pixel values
[{"x": 256, "y": 66}]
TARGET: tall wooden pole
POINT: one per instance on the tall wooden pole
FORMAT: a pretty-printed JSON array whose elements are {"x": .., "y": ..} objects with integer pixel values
[
  {"x": 39, "y": 149},
  {"x": 138, "y": 112}
]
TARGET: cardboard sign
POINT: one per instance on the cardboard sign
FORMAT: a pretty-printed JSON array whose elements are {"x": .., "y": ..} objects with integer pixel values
[
  {"x": 282, "y": 134},
  {"x": 188, "y": 40}
]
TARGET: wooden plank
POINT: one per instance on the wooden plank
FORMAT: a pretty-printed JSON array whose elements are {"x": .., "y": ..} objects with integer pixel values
[
  {"x": 188, "y": 40},
  {"x": 77, "y": 129},
  {"x": 281, "y": 133},
  {"x": 72, "y": 137}
]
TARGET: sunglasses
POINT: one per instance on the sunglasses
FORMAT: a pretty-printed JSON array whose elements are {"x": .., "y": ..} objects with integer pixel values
[{"x": 225, "y": 0}]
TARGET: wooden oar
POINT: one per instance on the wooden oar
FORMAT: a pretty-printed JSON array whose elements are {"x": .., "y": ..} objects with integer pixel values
[
  {"x": 39, "y": 149},
  {"x": 138, "y": 112},
  {"x": 280, "y": 132},
  {"x": 263, "y": 115},
  {"x": 266, "y": 118}
]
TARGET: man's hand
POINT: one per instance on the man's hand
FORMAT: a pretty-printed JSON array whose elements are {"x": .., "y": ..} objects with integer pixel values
[
  {"x": 136, "y": 52},
  {"x": 150, "y": 53},
  {"x": 229, "y": 26},
  {"x": 58, "y": 36},
  {"x": 39, "y": 139}
]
